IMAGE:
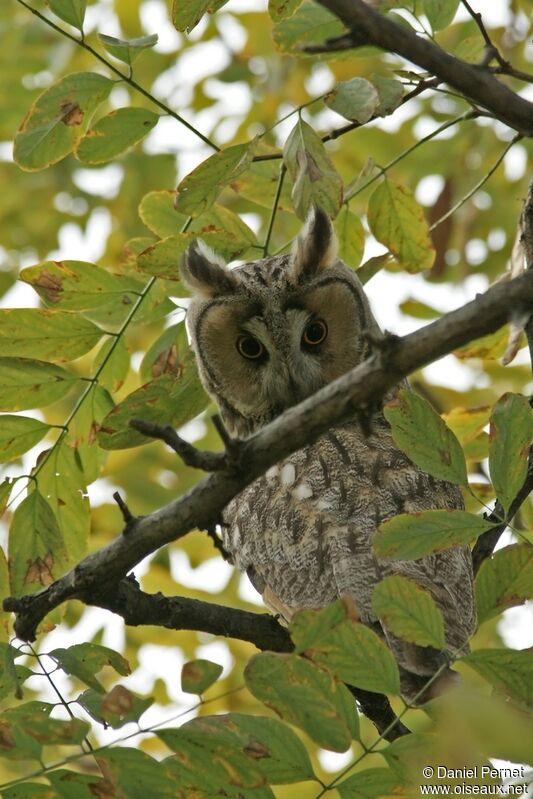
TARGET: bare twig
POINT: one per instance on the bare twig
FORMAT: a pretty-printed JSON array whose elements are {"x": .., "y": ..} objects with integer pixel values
[{"x": 190, "y": 455}]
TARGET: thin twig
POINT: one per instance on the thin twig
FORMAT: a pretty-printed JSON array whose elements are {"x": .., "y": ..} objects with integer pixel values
[{"x": 190, "y": 455}]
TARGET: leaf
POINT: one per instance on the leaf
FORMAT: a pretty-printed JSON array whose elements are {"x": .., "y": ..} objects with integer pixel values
[
  {"x": 58, "y": 119},
  {"x": 63, "y": 484},
  {"x": 420, "y": 432},
  {"x": 6, "y": 487},
  {"x": 37, "y": 552},
  {"x": 281, "y": 9},
  {"x": 410, "y": 536},
  {"x": 133, "y": 774},
  {"x": 186, "y": 14},
  {"x": 310, "y": 24},
  {"x": 158, "y": 213},
  {"x": 114, "y": 134},
  {"x": 397, "y": 221},
  {"x": 408, "y": 611},
  {"x": 418, "y": 309},
  {"x": 228, "y": 764},
  {"x": 84, "y": 661},
  {"x": 82, "y": 446},
  {"x": 173, "y": 398},
  {"x": 275, "y": 750},
  {"x": 52, "y": 335},
  {"x": 440, "y": 13},
  {"x": 199, "y": 675},
  {"x": 78, "y": 285},
  {"x": 467, "y": 423},
  {"x": 302, "y": 694},
  {"x": 351, "y": 237},
  {"x": 26, "y": 728},
  {"x": 390, "y": 94},
  {"x": 26, "y": 383},
  {"x": 166, "y": 353},
  {"x": 373, "y": 783},
  {"x": 18, "y": 434},
  {"x": 117, "y": 707},
  {"x": 112, "y": 364},
  {"x": 508, "y": 670},
  {"x": 504, "y": 580},
  {"x": 29, "y": 790},
  {"x": 490, "y": 347},
  {"x": 11, "y": 676},
  {"x": 348, "y": 649},
  {"x": 356, "y": 99},
  {"x": 71, "y": 11},
  {"x": 511, "y": 432},
  {"x": 316, "y": 182},
  {"x": 200, "y": 188},
  {"x": 127, "y": 50},
  {"x": 5, "y": 617}
]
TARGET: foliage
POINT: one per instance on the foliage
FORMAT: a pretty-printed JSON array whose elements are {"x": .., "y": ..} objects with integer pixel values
[{"x": 252, "y": 131}]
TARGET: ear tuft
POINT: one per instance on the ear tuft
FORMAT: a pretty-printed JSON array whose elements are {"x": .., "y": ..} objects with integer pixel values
[
  {"x": 204, "y": 272},
  {"x": 315, "y": 248}
]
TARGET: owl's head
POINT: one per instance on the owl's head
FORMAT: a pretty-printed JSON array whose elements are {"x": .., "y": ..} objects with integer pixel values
[{"x": 269, "y": 333}]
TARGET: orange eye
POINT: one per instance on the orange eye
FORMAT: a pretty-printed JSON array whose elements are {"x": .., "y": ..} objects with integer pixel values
[
  {"x": 250, "y": 347},
  {"x": 315, "y": 333}
]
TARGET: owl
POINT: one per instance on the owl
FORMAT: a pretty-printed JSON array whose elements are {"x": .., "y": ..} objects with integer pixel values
[{"x": 267, "y": 335}]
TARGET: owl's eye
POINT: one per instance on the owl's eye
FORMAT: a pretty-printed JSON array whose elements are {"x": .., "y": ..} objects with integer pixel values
[
  {"x": 315, "y": 333},
  {"x": 250, "y": 347}
]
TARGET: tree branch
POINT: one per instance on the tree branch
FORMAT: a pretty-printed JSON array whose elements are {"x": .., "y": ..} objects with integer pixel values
[
  {"x": 477, "y": 83},
  {"x": 357, "y": 390}
]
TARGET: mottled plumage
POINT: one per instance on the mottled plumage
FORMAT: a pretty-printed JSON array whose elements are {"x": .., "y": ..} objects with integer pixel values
[{"x": 267, "y": 335}]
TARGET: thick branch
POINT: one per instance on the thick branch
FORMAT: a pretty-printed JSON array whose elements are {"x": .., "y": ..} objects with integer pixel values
[
  {"x": 360, "y": 388},
  {"x": 474, "y": 82}
]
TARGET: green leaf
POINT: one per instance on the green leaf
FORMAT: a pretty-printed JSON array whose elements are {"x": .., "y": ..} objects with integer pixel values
[
  {"x": 200, "y": 188},
  {"x": 162, "y": 258},
  {"x": 508, "y": 670},
  {"x": 27, "y": 728},
  {"x": 18, "y": 434},
  {"x": 199, "y": 675},
  {"x": 127, "y": 50},
  {"x": 37, "y": 552},
  {"x": 78, "y": 285},
  {"x": 304, "y": 695},
  {"x": 440, "y": 13},
  {"x": 11, "y": 675},
  {"x": 408, "y": 611},
  {"x": 73, "y": 785},
  {"x": 281, "y": 9},
  {"x": 315, "y": 180},
  {"x": 374, "y": 783},
  {"x": 62, "y": 482},
  {"x": 197, "y": 744},
  {"x": 166, "y": 353},
  {"x": 418, "y": 309},
  {"x": 511, "y": 432},
  {"x": 350, "y": 650},
  {"x": 397, "y": 221},
  {"x": 114, "y": 134},
  {"x": 390, "y": 94},
  {"x": 504, "y": 580},
  {"x": 410, "y": 536},
  {"x": 420, "y": 432},
  {"x": 58, "y": 119},
  {"x": 115, "y": 708},
  {"x": 351, "y": 237},
  {"x": 274, "y": 748},
  {"x": 187, "y": 15},
  {"x": 173, "y": 398},
  {"x": 29, "y": 790},
  {"x": 356, "y": 99},
  {"x": 5, "y": 617},
  {"x": 71, "y": 11},
  {"x": 158, "y": 212},
  {"x": 310, "y": 24},
  {"x": 25, "y": 383},
  {"x": 52, "y": 335},
  {"x": 6, "y": 487},
  {"x": 82, "y": 447},
  {"x": 112, "y": 363},
  {"x": 84, "y": 661},
  {"x": 490, "y": 347},
  {"x": 467, "y": 423},
  {"x": 133, "y": 774}
]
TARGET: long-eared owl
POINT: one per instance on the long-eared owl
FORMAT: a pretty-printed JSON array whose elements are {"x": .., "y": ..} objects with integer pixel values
[{"x": 266, "y": 335}]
